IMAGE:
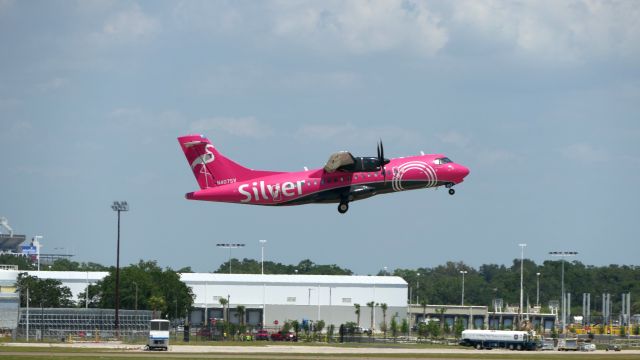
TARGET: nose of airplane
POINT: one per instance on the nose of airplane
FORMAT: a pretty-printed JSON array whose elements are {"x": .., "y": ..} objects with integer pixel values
[{"x": 464, "y": 171}]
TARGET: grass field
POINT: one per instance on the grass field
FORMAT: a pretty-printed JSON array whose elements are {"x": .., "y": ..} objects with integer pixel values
[{"x": 28, "y": 353}]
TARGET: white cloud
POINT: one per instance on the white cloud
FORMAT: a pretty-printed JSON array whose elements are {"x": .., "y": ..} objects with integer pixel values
[
  {"x": 551, "y": 29},
  {"x": 139, "y": 119},
  {"x": 495, "y": 156},
  {"x": 356, "y": 136},
  {"x": 6, "y": 4},
  {"x": 53, "y": 84},
  {"x": 583, "y": 153},
  {"x": 240, "y": 126},
  {"x": 360, "y": 26},
  {"x": 130, "y": 25},
  {"x": 455, "y": 138}
]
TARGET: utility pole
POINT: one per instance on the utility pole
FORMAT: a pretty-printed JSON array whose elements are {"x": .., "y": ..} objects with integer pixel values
[{"x": 563, "y": 255}]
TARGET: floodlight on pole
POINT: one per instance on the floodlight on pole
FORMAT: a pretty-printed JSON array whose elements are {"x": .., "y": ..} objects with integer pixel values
[
  {"x": 563, "y": 255},
  {"x": 118, "y": 206},
  {"x": 417, "y": 288},
  {"x": 537, "y": 289},
  {"x": 262, "y": 242},
  {"x": 230, "y": 246},
  {"x": 463, "y": 272},
  {"x": 522, "y": 246},
  {"x": 264, "y": 302}
]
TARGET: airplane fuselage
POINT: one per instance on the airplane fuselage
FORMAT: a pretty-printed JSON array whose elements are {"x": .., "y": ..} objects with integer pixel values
[{"x": 296, "y": 188}]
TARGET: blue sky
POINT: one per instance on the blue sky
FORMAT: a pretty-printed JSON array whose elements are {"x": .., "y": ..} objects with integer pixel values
[{"x": 540, "y": 99}]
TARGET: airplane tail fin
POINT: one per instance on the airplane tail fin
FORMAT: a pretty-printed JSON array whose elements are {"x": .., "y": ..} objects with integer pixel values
[{"x": 211, "y": 168}]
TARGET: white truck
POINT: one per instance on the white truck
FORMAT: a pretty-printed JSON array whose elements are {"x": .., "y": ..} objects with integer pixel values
[
  {"x": 490, "y": 339},
  {"x": 158, "y": 335},
  {"x": 568, "y": 345}
]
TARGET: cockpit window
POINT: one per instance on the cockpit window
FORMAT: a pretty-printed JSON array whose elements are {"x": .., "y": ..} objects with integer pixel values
[{"x": 441, "y": 161}]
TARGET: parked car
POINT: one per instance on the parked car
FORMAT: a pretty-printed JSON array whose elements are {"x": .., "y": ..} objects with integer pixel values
[
  {"x": 613, "y": 347},
  {"x": 547, "y": 344},
  {"x": 262, "y": 335},
  {"x": 277, "y": 336},
  {"x": 587, "y": 347},
  {"x": 204, "y": 332},
  {"x": 290, "y": 337}
]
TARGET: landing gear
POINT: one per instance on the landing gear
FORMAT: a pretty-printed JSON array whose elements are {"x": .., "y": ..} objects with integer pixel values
[
  {"x": 343, "y": 207},
  {"x": 452, "y": 191}
]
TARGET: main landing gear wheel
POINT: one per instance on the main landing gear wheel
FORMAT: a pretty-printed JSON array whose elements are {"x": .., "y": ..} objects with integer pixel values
[
  {"x": 452, "y": 191},
  {"x": 343, "y": 207}
]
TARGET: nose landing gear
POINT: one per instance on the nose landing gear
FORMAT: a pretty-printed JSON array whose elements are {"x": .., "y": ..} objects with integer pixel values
[
  {"x": 450, "y": 187},
  {"x": 343, "y": 207}
]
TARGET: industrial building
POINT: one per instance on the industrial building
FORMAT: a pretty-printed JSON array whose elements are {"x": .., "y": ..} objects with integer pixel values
[
  {"x": 270, "y": 299},
  {"x": 278, "y": 298}
]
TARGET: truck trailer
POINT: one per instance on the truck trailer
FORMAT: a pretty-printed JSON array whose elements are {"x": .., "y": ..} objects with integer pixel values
[{"x": 491, "y": 339}]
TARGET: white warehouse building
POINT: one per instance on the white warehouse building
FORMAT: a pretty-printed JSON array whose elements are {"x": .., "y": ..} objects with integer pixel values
[
  {"x": 277, "y": 298},
  {"x": 297, "y": 297}
]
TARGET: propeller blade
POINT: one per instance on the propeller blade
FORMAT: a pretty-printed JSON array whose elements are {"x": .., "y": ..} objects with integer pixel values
[{"x": 381, "y": 161}]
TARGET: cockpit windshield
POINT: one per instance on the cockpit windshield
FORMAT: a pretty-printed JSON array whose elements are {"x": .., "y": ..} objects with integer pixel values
[{"x": 440, "y": 161}]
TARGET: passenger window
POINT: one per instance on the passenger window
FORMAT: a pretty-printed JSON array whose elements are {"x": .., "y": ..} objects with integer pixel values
[{"x": 322, "y": 182}]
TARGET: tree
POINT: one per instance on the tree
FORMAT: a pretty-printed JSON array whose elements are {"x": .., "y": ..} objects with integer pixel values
[
  {"x": 24, "y": 263},
  {"x": 422, "y": 329},
  {"x": 150, "y": 281},
  {"x": 441, "y": 311},
  {"x": 43, "y": 292},
  {"x": 296, "y": 326},
  {"x": 404, "y": 327},
  {"x": 458, "y": 328},
  {"x": 320, "y": 326},
  {"x": 240, "y": 311},
  {"x": 423, "y": 303},
  {"x": 224, "y": 302},
  {"x": 384, "y": 308},
  {"x": 357, "y": 306},
  {"x": 157, "y": 303},
  {"x": 394, "y": 326},
  {"x": 372, "y": 305},
  {"x": 433, "y": 329},
  {"x": 306, "y": 267}
]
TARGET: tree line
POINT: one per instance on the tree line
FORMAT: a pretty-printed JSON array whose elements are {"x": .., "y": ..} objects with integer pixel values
[
  {"x": 148, "y": 286},
  {"x": 443, "y": 284}
]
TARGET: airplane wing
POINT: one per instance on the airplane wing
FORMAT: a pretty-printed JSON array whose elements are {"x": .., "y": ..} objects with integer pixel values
[{"x": 337, "y": 160}]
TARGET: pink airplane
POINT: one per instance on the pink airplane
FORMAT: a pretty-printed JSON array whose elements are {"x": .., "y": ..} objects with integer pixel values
[{"x": 343, "y": 179}]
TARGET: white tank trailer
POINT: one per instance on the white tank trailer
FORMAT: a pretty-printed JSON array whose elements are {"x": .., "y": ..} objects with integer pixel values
[{"x": 490, "y": 339}]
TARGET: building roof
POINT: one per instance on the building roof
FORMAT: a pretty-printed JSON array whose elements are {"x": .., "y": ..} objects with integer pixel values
[{"x": 293, "y": 279}]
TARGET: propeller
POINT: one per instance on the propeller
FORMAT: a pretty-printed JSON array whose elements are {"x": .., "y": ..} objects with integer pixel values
[{"x": 381, "y": 160}]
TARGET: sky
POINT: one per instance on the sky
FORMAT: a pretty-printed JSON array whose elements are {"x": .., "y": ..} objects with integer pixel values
[{"x": 540, "y": 99}]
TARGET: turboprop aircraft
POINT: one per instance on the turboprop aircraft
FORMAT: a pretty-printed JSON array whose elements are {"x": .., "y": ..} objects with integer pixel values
[{"x": 344, "y": 178}]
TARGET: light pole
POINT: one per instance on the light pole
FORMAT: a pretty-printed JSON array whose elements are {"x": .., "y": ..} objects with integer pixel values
[
  {"x": 463, "y": 272},
  {"x": 27, "y": 314},
  {"x": 230, "y": 246},
  {"x": 36, "y": 242},
  {"x": 537, "y": 289},
  {"x": 262, "y": 242},
  {"x": 118, "y": 206},
  {"x": 563, "y": 254},
  {"x": 522, "y": 246},
  {"x": 417, "y": 288},
  {"x": 264, "y": 301}
]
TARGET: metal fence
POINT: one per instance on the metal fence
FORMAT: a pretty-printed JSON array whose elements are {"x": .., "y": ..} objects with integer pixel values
[{"x": 82, "y": 324}]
